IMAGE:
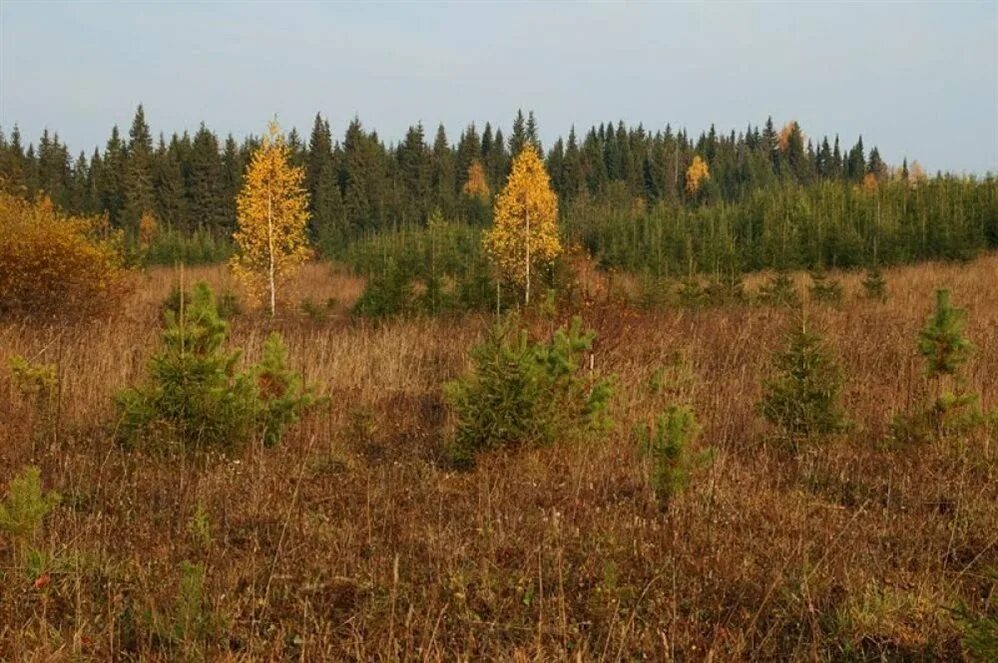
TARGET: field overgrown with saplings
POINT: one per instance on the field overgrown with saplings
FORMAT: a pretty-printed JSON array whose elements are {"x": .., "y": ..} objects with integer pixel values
[{"x": 436, "y": 447}]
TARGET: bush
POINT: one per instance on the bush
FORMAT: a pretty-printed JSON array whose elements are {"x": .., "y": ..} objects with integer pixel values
[
  {"x": 196, "y": 397},
  {"x": 52, "y": 264},
  {"x": 666, "y": 445},
  {"x": 954, "y": 409},
  {"x": 779, "y": 291},
  {"x": 38, "y": 384},
  {"x": 802, "y": 397},
  {"x": 23, "y": 510},
  {"x": 227, "y": 303},
  {"x": 980, "y": 627},
  {"x": 522, "y": 393},
  {"x": 387, "y": 293},
  {"x": 824, "y": 289},
  {"x": 875, "y": 285}
]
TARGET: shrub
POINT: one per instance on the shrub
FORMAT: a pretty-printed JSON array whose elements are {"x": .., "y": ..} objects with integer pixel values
[
  {"x": 23, "y": 510},
  {"x": 666, "y": 445},
  {"x": 802, "y": 396},
  {"x": 38, "y": 384},
  {"x": 53, "y": 264},
  {"x": 945, "y": 348},
  {"x": 195, "y": 395},
  {"x": 521, "y": 392},
  {"x": 282, "y": 395},
  {"x": 875, "y": 285},
  {"x": 387, "y": 293},
  {"x": 190, "y": 622},
  {"x": 779, "y": 291},
  {"x": 980, "y": 627},
  {"x": 227, "y": 303},
  {"x": 824, "y": 289},
  {"x": 316, "y": 312}
]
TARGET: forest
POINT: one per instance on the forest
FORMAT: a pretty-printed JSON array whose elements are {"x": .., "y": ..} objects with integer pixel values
[{"x": 660, "y": 201}]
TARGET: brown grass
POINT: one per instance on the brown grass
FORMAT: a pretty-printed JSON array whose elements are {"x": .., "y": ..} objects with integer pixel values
[{"x": 352, "y": 541}]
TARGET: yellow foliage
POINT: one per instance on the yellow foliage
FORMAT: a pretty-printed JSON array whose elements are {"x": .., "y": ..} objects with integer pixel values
[
  {"x": 272, "y": 212},
  {"x": 784, "y": 135},
  {"x": 53, "y": 263},
  {"x": 525, "y": 228},
  {"x": 148, "y": 227},
  {"x": 477, "y": 186},
  {"x": 695, "y": 175},
  {"x": 916, "y": 174},
  {"x": 870, "y": 183}
]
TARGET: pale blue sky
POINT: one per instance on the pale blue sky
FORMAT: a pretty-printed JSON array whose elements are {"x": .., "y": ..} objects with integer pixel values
[{"x": 916, "y": 79}]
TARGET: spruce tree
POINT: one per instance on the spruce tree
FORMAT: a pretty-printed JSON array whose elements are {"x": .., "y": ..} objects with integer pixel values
[
  {"x": 946, "y": 350},
  {"x": 138, "y": 186},
  {"x": 443, "y": 187},
  {"x": 874, "y": 284},
  {"x": 112, "y": 180},
  {"x": 802, "y": 396},
  {"x": 322, "y": 182},
  {"x": 205, "y": 183}
]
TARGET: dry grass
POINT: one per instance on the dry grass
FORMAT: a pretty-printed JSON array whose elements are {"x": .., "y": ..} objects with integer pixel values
[{"x": 351, "y": 541}]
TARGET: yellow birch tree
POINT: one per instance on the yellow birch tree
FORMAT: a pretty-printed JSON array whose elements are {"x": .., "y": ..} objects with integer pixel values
[
  {"x": 695, "y": 175},
  {"x": 525, "y": 228},
  {"x": 272, "y": 213}
]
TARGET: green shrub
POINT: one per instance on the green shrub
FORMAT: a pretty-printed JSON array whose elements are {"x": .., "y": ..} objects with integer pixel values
[
  {"x": 875, "y": 285},
  {"x": 25, "y": 507},
  {"x": 526, "y": 393},
  {"x": 666, "y": 445},
  {"x": 946, "y": 349},
  {"x": 824, "y": 289},
  {"x": 38, "y": 385},
  {"x": 980, "y": 626},
  {"x": 196, "y": 396},
  {"x": 227, "y": 304},
  {"x": 316, "y": 312},
  {"x": 802, "y": 396},
  {"x": 190, "y": 622},
  {"x": 388, "y": 292},
  {"x": 281, "y": 393},
  {"x": 779, "y": 291}
]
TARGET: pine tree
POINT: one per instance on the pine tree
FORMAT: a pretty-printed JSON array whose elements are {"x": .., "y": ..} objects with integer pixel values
[
  {"x": 138, "y": 190},
  {"x": 171, "y": 201},
  {"x": 874, "y": 284},
  {"x": 322, "y": 182},
  {"x": 273, "y": 217},
  {"x": 414, "y": 170},
  {"x": 802, "y": 397},
  {"x": 518, "y": 139},
  {"x": 443, "y": 186},
  {"x": 112, "y": 178},
  {"x": 946, "y": 349},
  {"x": 856, "y": 162},
  {"x": 232, "y": 181},
  {"x": 525, "y": 231},
  {"x": 205, "y": 182}
]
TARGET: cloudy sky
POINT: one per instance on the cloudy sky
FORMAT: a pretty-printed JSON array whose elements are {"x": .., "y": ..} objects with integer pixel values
[{"x": 917, "y": 79}]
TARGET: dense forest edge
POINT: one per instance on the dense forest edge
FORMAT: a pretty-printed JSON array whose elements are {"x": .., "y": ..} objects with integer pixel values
[{"x": 661, "y": 203}]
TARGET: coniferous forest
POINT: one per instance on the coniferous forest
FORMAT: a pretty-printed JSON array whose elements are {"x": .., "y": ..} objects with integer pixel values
[{"x": 767, "y": 196}]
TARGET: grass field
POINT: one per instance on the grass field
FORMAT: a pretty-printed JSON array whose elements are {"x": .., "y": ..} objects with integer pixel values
[{"x": 353, "y": 541}]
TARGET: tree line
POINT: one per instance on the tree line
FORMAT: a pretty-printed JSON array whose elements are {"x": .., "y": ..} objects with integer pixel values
[
  {"x": 658, "y": 200},
  {"x": 359, "y": 183}
]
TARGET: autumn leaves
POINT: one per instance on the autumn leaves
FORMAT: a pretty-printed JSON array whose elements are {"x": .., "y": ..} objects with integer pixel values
[{"x": 272, "y": 212}]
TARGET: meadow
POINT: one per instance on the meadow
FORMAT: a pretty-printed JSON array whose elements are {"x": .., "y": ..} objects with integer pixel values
[{"x": 355, "y": 539}]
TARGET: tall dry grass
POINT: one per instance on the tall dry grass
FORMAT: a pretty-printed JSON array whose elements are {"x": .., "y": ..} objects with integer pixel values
[{"x": 351, "y": 541}]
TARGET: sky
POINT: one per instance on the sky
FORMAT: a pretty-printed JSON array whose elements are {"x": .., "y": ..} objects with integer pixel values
[{"x": 919, "y": 80}]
